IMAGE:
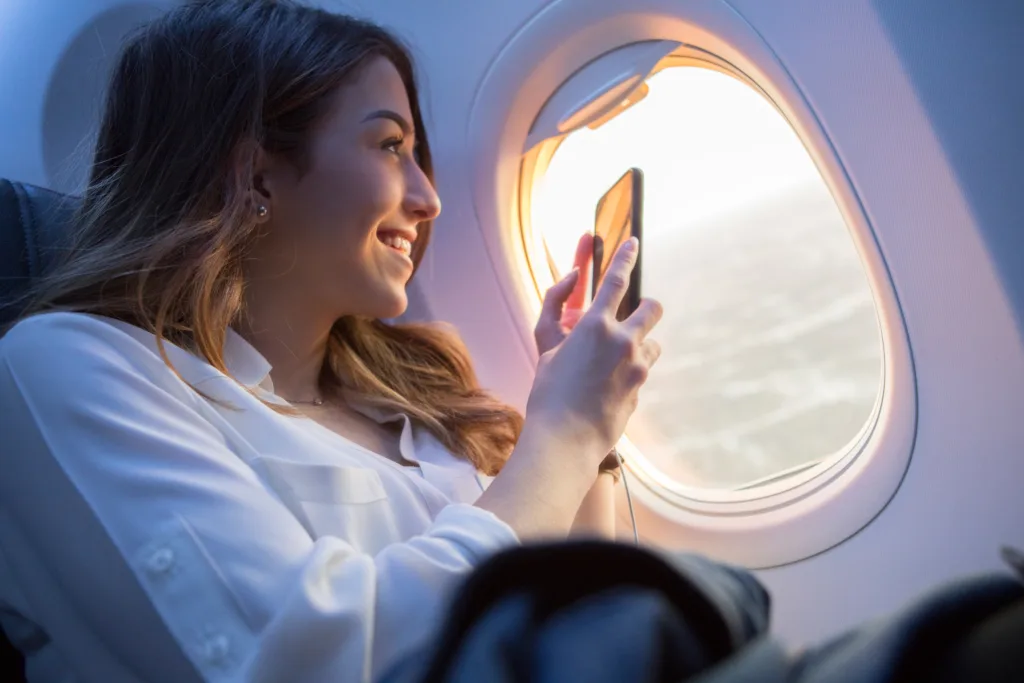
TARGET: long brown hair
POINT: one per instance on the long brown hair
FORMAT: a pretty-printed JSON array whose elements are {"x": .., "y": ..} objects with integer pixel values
[{"x": 166, "y": 219}]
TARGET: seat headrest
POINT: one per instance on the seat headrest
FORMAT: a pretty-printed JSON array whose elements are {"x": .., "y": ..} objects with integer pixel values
[{"x": 33, "y": 221}]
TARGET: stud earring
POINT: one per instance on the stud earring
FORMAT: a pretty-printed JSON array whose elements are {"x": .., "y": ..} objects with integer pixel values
[{"x": 261, "y": 211}]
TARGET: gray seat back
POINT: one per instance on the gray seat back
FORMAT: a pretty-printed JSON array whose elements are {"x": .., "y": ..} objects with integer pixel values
[{"x": 33, "y": 222}]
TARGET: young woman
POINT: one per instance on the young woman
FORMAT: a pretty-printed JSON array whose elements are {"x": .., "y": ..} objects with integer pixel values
[{"x": 219, "y": 462}]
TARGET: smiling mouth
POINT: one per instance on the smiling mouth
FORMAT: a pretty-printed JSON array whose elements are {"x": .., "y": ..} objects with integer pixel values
[{"x": 396, "y": 242}]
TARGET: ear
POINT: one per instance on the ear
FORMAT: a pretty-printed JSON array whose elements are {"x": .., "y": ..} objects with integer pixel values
[
  {"x": 251, "y": 166},
  {"x": 268, "y": 178},
  {"x": 263, "y": 174}
]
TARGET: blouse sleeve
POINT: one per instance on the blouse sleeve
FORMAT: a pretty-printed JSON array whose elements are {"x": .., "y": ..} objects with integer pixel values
[{"x": 126, "y": 512}]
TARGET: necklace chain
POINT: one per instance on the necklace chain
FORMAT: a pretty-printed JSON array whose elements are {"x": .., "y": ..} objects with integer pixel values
[{"x": 314, "y": 402}]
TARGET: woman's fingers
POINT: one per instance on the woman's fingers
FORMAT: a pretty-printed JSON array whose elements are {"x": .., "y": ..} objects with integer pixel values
[
  {"x": 549, "y": 325},
  {"x": 556, "y": 296},
  {"x": 650, "y": 352},
  {"x": 616, "y": 280},
  {"x": 563, "y": 302},
  {"x": 645, "y": 356},
  {"x": 644, "y": 318},
  {"x": 584, "y": 254}
]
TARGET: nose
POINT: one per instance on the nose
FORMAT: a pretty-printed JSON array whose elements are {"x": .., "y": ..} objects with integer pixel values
[{"x": 421, "y": 200}]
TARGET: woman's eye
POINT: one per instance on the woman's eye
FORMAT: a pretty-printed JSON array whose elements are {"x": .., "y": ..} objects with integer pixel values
[{"x": 393, "y": 145}]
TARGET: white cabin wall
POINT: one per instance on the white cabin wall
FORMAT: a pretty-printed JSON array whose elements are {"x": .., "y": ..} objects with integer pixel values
[
  {"x": 965, "y": 62},
  {"x": 54, "y": 58},
  {"x": 962, "y": 496},
  {"x": 32, "y": 37}
]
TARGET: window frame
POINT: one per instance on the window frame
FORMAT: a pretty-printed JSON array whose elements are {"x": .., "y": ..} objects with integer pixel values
[{"x": 790, "y": 518}]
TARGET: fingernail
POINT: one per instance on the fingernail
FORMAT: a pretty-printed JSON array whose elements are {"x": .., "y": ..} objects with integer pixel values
[
  {"x": 574, "y": 271},
  {"x": 631, "y": 244}
]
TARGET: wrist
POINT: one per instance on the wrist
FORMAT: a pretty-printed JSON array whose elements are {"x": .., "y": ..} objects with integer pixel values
[
  {"x": 574, "y": 437},
  {"x": 548, "y": 454},
  {"x": 611, "y": 466}
]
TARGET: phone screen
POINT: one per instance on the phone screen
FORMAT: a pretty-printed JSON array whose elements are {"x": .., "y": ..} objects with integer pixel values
[{"x": 618, "y": 217}]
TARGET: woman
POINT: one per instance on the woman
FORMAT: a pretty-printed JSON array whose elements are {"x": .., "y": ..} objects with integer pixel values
[{"x": 221, "y": 463}]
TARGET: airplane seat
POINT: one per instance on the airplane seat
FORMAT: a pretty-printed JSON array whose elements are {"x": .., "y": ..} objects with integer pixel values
[
  {"x": 990, "y": 653},
  {"x": 32, "y": 222}
]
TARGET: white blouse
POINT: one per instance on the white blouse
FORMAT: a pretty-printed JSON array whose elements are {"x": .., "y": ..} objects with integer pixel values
[{"x": 150, "y": 534}]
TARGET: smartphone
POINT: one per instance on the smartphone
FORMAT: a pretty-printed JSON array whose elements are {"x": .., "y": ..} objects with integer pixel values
[{"x": 619, "y": 216}]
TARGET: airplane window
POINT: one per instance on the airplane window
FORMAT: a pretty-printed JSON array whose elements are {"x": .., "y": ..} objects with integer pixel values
[{"x": 772, "y": 357}]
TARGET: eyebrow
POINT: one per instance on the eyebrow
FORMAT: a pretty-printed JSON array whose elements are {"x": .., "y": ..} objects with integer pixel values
[{"x": 391, "y": 116}]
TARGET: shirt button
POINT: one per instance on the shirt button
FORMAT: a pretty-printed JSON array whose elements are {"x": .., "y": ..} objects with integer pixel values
[
  {"x": 161, "y": 561},
  {"x": 216, "y": 649}
]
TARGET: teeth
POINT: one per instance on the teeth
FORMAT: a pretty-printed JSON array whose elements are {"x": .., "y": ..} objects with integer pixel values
[{"x": 396, "y": 242}]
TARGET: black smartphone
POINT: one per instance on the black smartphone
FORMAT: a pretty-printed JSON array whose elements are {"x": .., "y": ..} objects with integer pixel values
[{"x": 619, "y": 216}]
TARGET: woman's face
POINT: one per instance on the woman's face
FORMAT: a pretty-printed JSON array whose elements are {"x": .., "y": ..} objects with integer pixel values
[{"x": 337, "y": 241}]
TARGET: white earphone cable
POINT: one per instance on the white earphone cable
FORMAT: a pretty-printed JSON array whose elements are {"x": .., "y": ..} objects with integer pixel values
[{"x": 629, "y": 498}]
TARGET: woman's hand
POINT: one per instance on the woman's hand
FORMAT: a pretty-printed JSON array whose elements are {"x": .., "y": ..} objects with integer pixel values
[
  {"x": 584, "y": 392},
  {"x": 587, "y": 383},
  {"x": 563, "y": 303},
  {"x": 563, "y": 308}
]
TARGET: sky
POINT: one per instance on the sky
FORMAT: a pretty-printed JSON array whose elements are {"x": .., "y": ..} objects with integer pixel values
[{"x": 708, "y": 145}]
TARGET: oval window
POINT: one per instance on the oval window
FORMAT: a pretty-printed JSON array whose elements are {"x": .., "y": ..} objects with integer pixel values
[{"x": 772, "y": 357}]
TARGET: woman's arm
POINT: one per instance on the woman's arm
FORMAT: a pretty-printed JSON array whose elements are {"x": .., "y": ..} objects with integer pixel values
[{"x": 126, "y": 512}]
